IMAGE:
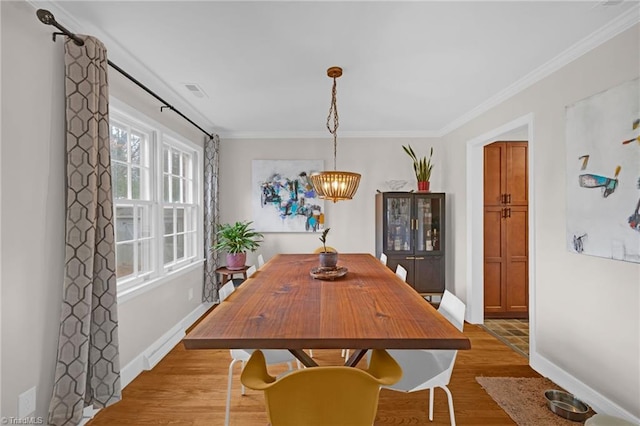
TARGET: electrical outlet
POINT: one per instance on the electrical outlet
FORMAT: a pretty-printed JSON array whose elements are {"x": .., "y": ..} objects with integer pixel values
[
  {"x": 27, "y": 403},
  {"x": 190, "y": 293}
]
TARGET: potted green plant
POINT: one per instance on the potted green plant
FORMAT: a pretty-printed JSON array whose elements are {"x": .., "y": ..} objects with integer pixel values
[
  {"x": 328, "y": 259},
  {"x": 236, "y": 239},
  {"x": 421, "y": 166}
]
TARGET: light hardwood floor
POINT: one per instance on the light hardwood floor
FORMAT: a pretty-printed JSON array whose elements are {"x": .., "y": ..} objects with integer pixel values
[{"x": 188, "y": 387}]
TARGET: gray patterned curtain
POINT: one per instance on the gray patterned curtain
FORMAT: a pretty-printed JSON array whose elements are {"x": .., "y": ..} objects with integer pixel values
[
  {"x": 211, "y": 215},
  {"x": 88, "y": 366}
]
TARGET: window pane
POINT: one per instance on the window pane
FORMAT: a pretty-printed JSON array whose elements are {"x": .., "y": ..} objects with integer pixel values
[
  {"x": 189, "y": 249},
  {"x": 180, "y": 220},
  {"x": 175, "y": 189},
  {"x": 135, "y": 183},
  {"x": 124, "y": 259},
  {"x": 144, "y": 256},
  {"x": 186, "y": 193},
  {"x": 119, "y": 180},
  {"x": 168, "y": 221},
  {"x": 136, "y": 144},
  {"x": 165, "y": 160},
  {"x": 168, "y": 249},
  {"x": 124, "y": 224},
  {"x": 145, "y": 184},
  {"x": 166, "y": 188},
  {"x": 180, "y": 246},
  {"x": 118, "y": 144},
  {"x": 143, "y": 222},
  {"x": 175, "y": 162},
  {"x": 186, "y": 165},
  {"x": 191, "y": 219}
]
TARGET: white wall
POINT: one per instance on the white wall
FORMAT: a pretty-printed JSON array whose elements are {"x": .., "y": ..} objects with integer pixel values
[
  {"x": 587, "y": 309},
  {"x": 352, "y": 222},
  {"x": 32, "y": 216}
]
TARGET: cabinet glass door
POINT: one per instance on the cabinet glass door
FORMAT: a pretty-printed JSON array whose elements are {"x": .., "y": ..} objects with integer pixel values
[
  {"x": 398, "y": 232},
  {"x": 429, "y": 220}
]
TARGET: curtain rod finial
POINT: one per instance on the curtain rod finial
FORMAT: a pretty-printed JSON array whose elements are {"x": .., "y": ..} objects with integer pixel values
[{"x": 45, "y": 16}]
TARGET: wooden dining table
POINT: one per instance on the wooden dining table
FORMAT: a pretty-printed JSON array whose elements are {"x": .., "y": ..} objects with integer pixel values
[{"x": 282, "y": 306}]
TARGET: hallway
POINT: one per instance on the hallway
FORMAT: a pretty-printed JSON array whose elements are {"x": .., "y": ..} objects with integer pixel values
[{"x": 513, "y": 332}]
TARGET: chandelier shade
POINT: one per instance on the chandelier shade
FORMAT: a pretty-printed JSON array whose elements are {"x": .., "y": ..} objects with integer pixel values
[{"x": 335, "y": 185}]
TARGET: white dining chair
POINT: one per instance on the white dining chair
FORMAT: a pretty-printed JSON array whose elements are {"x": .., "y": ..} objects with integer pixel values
[
  {"x": 251, "y": 270},
  {"x": 428, "y": 369},
  {"x": 260, "y": 260},
  {"x": 383, "y": 258},
  {"x": 401, "y": 272},
  {"x": 226, "y": 290}
]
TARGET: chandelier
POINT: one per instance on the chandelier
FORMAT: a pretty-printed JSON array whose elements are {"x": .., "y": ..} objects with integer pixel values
[{"x": 335, "y": 185}]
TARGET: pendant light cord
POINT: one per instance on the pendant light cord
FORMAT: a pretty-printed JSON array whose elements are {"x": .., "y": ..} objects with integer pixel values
[{"x": 333, "y": 114}]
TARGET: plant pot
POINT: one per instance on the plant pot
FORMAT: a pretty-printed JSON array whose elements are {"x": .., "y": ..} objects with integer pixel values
[
  {"x": 328, "y": 259},
  {"x": 236, "y": 261},
  {"x": 423, "y": 186}
]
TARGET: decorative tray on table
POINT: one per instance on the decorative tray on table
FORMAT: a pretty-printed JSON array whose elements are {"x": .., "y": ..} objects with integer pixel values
[{"x": 323, "y": 273}]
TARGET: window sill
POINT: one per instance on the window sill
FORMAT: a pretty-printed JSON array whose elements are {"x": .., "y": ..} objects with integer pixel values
[{"x": 136, "y": 290}]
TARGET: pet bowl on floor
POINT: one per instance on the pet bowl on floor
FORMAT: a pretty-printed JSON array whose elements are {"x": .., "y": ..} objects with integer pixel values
[{"x": 566, "y": 405}]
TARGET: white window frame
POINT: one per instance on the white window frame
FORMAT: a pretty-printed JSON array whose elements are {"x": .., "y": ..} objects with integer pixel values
[
  {"x": 190, "y": 204},
  {"x": 132, "y": 126},
  {"x": 161, "y": 136}
]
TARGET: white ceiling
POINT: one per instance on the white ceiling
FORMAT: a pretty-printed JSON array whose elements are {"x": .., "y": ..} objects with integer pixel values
[{"x": 417, "y": 68}]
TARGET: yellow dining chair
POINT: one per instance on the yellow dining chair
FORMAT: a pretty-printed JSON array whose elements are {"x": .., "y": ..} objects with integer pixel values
[{"x": 325, "y": 395}]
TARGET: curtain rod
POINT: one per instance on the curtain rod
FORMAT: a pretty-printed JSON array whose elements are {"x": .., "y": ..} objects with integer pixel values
[{"x": 47, "y": 18}]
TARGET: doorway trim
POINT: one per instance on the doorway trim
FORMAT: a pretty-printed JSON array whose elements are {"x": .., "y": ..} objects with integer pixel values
[{"x": 475, "y": 221}]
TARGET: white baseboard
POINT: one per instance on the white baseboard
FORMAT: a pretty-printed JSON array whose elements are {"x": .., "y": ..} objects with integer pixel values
[
  {"x": 161, "y": 347},
  {"x": 597, "y": 401},
  {"x": 87, "y": 414}
]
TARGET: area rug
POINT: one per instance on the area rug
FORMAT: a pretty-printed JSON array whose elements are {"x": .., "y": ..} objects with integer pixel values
[{"x": 523, "y": 399}]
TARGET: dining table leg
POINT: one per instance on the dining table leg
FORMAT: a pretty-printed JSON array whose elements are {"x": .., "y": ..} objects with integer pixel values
[
  {"x": 355, "y": 357},
  {"x": 304, "y": 358}
]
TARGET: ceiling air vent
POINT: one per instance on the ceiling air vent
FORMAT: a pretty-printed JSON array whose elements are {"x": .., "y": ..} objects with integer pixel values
[{"x": 195, "y": 90}]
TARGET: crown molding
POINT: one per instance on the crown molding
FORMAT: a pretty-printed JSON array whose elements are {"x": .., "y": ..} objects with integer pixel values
[{"x": 616, "y": 26}]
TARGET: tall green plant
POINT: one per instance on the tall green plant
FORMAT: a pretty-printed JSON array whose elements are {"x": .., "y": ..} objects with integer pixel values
[
  {"x": 421, "y": 166},
  {"x": 237, "y": 238}
]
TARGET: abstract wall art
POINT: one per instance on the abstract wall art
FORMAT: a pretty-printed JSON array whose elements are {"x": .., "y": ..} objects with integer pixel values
[
  {"x": 603, "y": 174},
  {"x": 283, "y": 198}
]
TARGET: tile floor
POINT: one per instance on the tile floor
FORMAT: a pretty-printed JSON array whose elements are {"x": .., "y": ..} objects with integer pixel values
[{"x": 513, "y": 332}]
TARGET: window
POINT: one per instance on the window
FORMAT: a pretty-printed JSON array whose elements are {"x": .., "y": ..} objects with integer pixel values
[
  {"x": 131, "y": 186},
  {"x": 178, "y": 205},
  {"x": 156, "y": 206}
]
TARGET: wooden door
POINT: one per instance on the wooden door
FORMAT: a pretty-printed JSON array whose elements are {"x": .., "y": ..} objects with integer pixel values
[{"x": 506, "y": 289}]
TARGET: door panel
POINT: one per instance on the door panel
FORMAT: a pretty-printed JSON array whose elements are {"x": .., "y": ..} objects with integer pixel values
[
  {"x": 517, "y": 231},
  {"x": 429, "y": 274},
  {"x": 517, "y": 183},
  {"x": 517, "y": 295},
  {"x": 494, "y": 180},
  {"x": 492, "y": 232},
  {"x": 493, "y": 287}
]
